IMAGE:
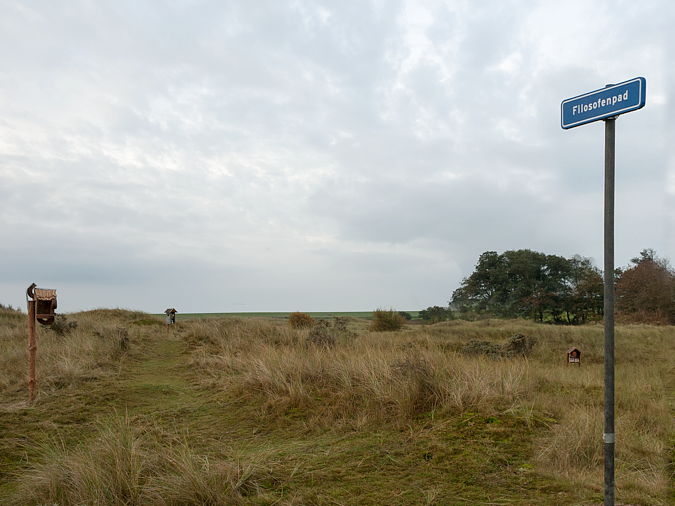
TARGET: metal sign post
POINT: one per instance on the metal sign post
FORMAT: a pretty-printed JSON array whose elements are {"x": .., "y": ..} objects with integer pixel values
[
  {"x": 606, "y": 104},
  {"x": 608, "y": 311}
]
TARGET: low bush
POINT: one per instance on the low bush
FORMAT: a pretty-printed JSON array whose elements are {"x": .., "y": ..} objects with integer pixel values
[
  {"x": 386, "y": 320},
  {"x": 518, "y": 345},
  {"x": 300, "y": 320},
  {"x": 62, "y": 326},
  {"x": 405, "y": 315},
  {"x": 322, "y": 334},
  {"x": 480, "y": 347},
  {"x": 435, "y": 314}
]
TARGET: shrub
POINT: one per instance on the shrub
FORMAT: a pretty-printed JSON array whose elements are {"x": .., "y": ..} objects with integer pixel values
[
  {"x": 436, "y": 314},
  {"x": 326, "y": 334},
  {"x": 322, "y": 334},
  {"x": 405, "y": 315},
  {"x": 340, "y": 323},
  {"x": 62, "y": 326},
  {"x": 518, "y": 345},
  {"x": 300, "y": 320},
  {"x": 386, "y": 320},
  {"x": 479, "y": 347}
]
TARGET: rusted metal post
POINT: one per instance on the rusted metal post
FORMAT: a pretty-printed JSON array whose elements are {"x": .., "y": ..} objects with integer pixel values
[{"x": 32, "y": 351}]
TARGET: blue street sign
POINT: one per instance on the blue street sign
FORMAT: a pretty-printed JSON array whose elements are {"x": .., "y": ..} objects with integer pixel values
[{"x": 603, "y": 103}]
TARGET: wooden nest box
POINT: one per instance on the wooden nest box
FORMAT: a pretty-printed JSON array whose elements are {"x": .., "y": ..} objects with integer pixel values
[
  {"x": 574, "y": 356},
  {"x": 45, "y": 303},
  {"x": 170, "y": 315}
]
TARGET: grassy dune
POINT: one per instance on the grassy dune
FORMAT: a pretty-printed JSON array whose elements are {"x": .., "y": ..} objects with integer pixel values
[
  {"x": 247, "y": 411},
  {"x": 320, "y": 314}
]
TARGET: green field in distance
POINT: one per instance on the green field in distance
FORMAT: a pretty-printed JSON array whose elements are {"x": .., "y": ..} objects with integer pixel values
[{"x": 319, "y": 314}]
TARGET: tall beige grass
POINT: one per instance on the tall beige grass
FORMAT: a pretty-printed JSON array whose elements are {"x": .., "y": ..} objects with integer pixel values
[
  {"x": 130, "y": 463},
  {"x": 370, "y": 375},
  {"x": 91, "y": 350},
  {"x": 394, "y": 376}
]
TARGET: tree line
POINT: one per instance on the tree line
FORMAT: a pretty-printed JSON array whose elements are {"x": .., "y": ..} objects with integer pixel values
[{"x": 529, "y": 284}]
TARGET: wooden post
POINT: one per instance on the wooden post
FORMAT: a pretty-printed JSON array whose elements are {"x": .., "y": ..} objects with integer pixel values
[{"x": 32, "y": 351}]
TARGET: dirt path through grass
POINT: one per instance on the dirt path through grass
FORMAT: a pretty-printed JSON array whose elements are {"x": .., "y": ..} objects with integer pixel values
[{"x": 158, "y": 383}]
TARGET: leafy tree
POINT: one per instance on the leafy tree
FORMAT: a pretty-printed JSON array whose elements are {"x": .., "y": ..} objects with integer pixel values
[
  {"x": 646, "y": 291},
  {"x": 485, "y": 290},
  {"x": 526, "y": 283},
  {"x": 539, "y": 283},
  {"x": 584, "y": 299}
]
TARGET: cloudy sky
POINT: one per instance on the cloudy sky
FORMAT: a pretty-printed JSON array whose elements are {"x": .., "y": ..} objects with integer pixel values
[{"x": 317, "y": 155}]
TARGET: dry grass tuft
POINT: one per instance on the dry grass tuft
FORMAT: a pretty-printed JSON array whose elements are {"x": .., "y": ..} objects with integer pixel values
[{"x": 127, "y": 463}]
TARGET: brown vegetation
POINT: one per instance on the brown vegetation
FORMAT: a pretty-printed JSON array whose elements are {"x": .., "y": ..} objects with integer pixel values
[
  {"x": 645, "y": 293},
  {"x": 386, "y": 320},
  {"x": 300, "y": 320}
]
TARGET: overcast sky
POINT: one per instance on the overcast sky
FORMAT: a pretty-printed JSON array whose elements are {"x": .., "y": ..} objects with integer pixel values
[{"x": 317, "y": 155}]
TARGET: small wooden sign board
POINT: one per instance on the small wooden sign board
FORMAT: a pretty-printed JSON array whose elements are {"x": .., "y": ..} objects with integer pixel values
[{"x": 574, "y": 356}]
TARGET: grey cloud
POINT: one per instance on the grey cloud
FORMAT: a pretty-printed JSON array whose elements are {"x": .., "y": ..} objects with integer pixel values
[{"x": 196, "y": 145}]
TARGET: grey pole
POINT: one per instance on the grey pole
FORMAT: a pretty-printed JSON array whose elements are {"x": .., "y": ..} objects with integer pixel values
[{"x": 608, "y": 435}]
